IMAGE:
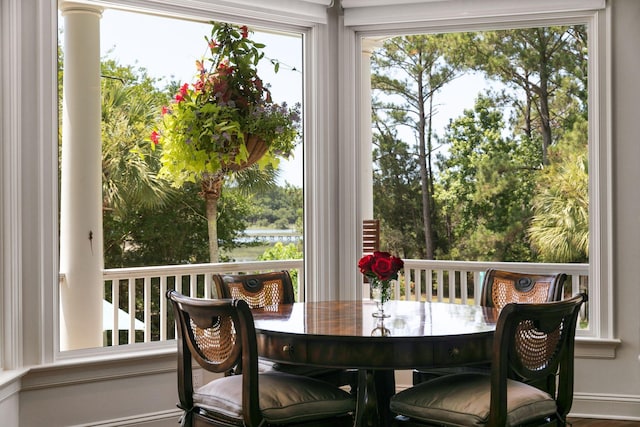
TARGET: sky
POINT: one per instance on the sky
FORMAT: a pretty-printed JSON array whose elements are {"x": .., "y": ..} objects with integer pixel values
[{"x": 168, "y": 48}]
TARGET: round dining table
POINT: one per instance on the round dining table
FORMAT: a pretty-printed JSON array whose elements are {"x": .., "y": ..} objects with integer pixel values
[{"x": 345, "y": 334}]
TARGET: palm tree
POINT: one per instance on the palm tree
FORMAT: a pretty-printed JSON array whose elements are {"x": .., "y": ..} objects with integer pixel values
[
  {"x": 560, "y": 226},
  {"x": 129, "y": 106}
]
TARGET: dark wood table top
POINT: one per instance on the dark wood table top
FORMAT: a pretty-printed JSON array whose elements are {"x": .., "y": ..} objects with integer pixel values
[{"x": 345, "y": 334}]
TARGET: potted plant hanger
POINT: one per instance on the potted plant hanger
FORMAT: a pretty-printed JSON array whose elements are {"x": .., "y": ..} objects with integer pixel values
[{"x": 224, "y": 122}]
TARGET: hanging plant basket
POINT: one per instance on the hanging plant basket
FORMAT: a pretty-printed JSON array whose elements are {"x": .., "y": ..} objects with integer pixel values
[
  {"x": 226, "y": 121},
  {"x": 256, "y": 148}
]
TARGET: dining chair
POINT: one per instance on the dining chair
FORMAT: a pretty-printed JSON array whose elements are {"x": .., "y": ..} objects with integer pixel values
[
  {"x": 500, "y": 287},
  {"x": 260, "y": 290},
  {"x": 266, "y": 291},
  {"x": 532, "y": 352},
  {"x": 219, "y": 334}
]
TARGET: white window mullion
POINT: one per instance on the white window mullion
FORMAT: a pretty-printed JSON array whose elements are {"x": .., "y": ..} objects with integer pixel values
[{"x": 10, "y": 225}]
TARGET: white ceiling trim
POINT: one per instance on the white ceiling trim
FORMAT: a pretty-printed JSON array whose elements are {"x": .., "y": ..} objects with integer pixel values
[
  {"x": 372, "y": 12},
  {"x": 284, "y": 11},
  {"x": 368, "y": 3}
]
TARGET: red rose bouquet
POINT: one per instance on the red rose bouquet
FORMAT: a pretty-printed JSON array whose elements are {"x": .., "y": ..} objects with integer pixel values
[{"x": 381, "y": 268}]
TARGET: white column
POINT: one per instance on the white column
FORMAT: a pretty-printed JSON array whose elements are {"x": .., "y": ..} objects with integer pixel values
[
  {"x": 366, "y": 138},
  {"x": 81, "y": 252},
  {"x": 366, "y": 180},
  {"x": 366, "y": 142}
]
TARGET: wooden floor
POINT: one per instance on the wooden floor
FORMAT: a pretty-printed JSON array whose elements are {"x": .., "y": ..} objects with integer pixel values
[{"x": 588, "y": 422}]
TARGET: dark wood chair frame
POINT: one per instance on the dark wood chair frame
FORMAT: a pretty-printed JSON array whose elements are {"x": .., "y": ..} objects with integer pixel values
[
  {"x": 224, "y": 318},
  {"x": 243, "y": 355},
  {"x": 518, "y": 338}
]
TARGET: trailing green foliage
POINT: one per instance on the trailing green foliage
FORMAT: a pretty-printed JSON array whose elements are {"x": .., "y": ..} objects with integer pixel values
[{"x": 208, "y": 127}]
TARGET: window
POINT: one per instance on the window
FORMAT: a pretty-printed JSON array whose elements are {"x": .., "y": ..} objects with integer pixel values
[
  {"x": 370, "y": 28},
  {"x": 143, "y": 57}
]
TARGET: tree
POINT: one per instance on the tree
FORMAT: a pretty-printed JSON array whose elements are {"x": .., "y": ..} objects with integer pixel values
[
  {"x": 419, "y": 62},
  {"x": 543, "y": 63},
  {"x": 559, "y": 229},
  {"x": 395, "y": 184},
  {"x": 481, "y": 192},
  {"x": 486, "y": 183},
  {"x": 278, "y": 207},
  {"x": 174, "y": 233},
  {"x": 129, "y": 102}
]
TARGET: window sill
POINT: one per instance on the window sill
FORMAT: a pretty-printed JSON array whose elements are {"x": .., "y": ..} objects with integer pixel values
[
  {"x": 596, "y": 348},
  {"x": 10, "y": 382},
  {"x": 102, "y": 365}
]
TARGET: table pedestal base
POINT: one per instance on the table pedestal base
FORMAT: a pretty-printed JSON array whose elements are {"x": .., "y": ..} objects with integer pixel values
[{"x": 375, "y": 388}]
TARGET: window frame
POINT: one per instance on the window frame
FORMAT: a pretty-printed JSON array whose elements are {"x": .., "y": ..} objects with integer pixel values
[{"x": 599, "y": 340}]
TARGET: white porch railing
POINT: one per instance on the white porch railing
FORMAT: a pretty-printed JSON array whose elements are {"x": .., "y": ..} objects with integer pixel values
[
  {"x": 461, "y": 281},
  {"x": 140, "y": 292}
]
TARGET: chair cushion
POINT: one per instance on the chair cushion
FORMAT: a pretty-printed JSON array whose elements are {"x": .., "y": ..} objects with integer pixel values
[
  {"x": 463, "y": 400},
  {"x": 284, "y": 398}
]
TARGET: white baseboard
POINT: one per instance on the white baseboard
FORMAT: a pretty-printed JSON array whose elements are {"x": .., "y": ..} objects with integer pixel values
[
  {"x": 606, "y": 406},
  {"x": 157, "y": 419}
]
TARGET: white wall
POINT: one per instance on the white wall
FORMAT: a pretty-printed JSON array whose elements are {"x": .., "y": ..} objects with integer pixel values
[
  {"x": 115, "y": 392},
  {"x": 9, "y": 398},
  {"x": 613, "y": 386}
]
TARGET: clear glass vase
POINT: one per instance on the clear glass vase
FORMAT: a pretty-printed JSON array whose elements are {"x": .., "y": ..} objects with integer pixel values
[
  {"x": 380, "y": 329},
  {"x": 380, "y": 293}
]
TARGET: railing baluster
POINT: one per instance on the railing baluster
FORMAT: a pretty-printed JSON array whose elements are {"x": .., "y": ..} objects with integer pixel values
[
  {"x": 575, "y": 284},
  {"x": 115, "y": 298},
  {"x": 440, "y": 284},
  {"x": 452, "y": 285},
  {"x": 464, "y": 297},
  {"x": 428, "y": 284},
  {"x": 193, "y": 285},
  {"x": 207, "y": 286},
  {"x": 132, "y": 310},
  {"x": 477, "y": 287},
  {"x": 301, "y": 288},
  {"x": 163, "y": 308},
  {"x": 396, "y": 290},
  {"x": 147, "y": 309}
]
